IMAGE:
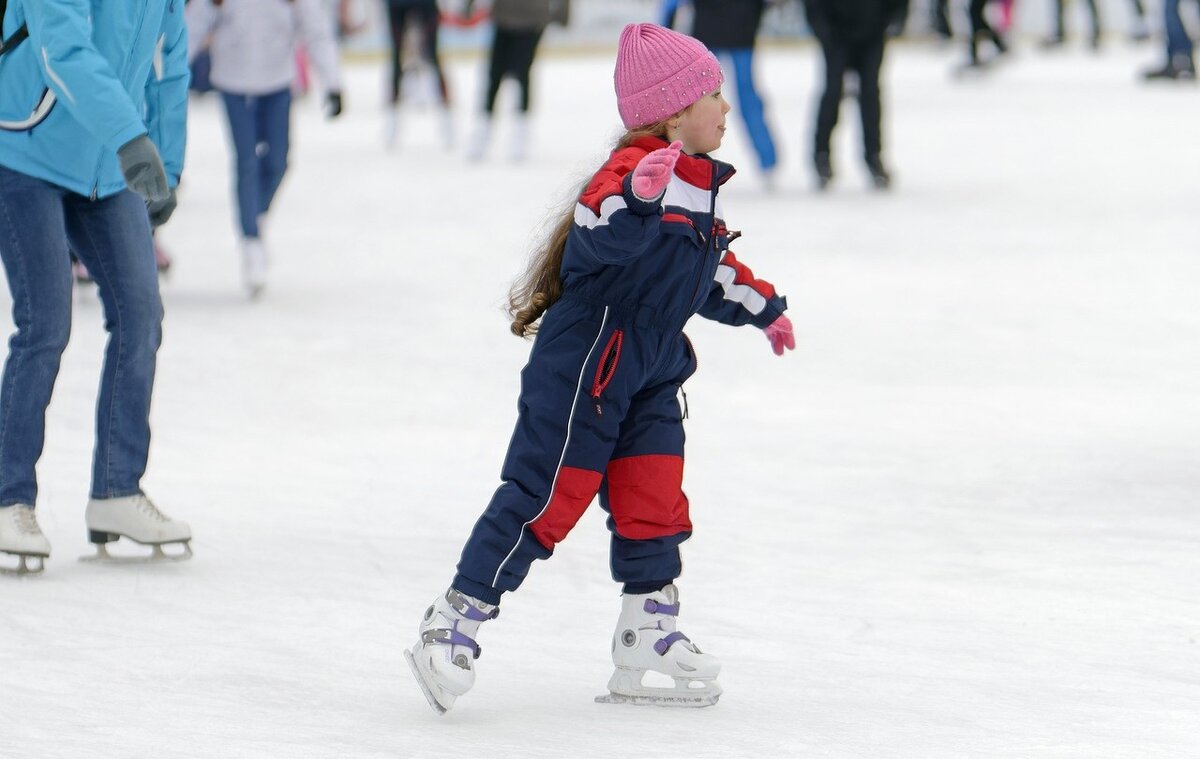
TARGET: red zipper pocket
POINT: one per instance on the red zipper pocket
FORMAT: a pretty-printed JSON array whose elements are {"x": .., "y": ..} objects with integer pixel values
[
  {"x": 607, "y": 368},
  {"x": 677, "y": 223}
]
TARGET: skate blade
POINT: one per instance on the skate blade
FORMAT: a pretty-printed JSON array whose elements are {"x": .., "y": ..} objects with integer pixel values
[
  {"x": 22, "y": 569},
  {"x": 667, "y": 699},
  {"x": 158, "y": 555},
  {"x": 426, "y": 688}
]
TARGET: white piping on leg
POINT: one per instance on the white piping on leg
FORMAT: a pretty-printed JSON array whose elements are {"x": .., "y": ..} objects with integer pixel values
[{"x": 563, "y": 454}]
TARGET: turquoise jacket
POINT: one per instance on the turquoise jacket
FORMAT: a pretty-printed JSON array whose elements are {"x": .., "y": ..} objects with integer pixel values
[{"x": 93, "y": 75}]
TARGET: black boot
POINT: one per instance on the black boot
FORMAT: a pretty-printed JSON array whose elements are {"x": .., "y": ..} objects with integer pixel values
[
  {"x": 879, "y": 175},
  {"x": 824, "y": 170}
]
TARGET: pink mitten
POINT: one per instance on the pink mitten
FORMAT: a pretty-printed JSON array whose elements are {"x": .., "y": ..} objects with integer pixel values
[
  {"x": 779, "y": 332},
  {"x": 652, "y": 173}
]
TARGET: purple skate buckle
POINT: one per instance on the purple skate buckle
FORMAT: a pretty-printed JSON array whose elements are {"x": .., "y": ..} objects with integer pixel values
[
  {"x": 452, "y": 638},
  {"x": 654, "y": 607},
  {"x": 663, "y": 644}
]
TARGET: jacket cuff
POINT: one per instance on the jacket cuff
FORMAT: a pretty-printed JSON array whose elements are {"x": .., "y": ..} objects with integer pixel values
[
  {"x": 774, "y": 309},
  {"x": 638, "y": 205}
]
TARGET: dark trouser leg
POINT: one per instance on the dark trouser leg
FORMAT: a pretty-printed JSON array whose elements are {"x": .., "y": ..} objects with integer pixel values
[
  {"x": 242, "y": 111},
  {"x": 428, "y": 19},
  {"x": 835, "y": 54},
  {"x": 643, "y": 493},
  {"x": 1097, "y": 24},
  {"x": 868, "y": 61},
  {"x": 498, "y": 63},
  {"x": 524, "y": 51},
  {"x": 555, "y": 460},
  {"x": 397, "y": 20},
  {"x": 274, "y": 142}
]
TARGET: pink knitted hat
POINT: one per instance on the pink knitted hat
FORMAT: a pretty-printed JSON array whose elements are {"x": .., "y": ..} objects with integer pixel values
[{"x": 660, "y": 72}]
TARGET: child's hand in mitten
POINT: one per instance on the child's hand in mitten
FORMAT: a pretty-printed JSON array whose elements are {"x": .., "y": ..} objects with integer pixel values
[
  {"x": 652, "y": 173},
  {"x": 779, "y": 332}
]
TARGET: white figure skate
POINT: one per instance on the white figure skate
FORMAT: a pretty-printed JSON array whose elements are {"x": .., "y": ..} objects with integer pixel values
[
  {"x": 442, "y": 659},
  {"x": 646, "y": 641},
  {"x": 137, "y": 518},
  {"x": 254, "y": 266},
  {"x": 21, "y": 537}
]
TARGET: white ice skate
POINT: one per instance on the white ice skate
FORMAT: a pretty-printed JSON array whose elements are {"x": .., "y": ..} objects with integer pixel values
[
  {"x": 477, "y": 148},
  {"x": 21, "y": 537},
  {"x": 520, "y": 138},
  {"x": 442, "y": 659},
  {"x": 254, "y": 265},
  {"x": 646, "y": 641},
  {"x": 137, "y": 518}
]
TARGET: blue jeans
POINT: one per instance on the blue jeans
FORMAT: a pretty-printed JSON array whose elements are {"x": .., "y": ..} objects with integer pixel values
[
  {"x": 1178, "y": 40},
  {"x": 111, "y": 236},
  {"x": 750, "y": 105},
  {"x": 258, "y": 126}
]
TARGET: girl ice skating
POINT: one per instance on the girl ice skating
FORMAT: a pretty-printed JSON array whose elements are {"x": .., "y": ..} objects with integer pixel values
[{"x": 643, "y": 249}]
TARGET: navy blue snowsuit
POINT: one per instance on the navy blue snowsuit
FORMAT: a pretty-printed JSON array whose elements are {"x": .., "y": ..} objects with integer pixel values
[{"x": 598, "y": 405}]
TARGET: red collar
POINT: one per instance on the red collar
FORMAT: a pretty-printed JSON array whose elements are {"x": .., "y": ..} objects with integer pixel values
[{"x": 697, "y": 170}]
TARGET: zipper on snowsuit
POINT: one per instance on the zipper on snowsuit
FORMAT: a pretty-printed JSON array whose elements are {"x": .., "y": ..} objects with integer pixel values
[{"x": 607, "y": 368}]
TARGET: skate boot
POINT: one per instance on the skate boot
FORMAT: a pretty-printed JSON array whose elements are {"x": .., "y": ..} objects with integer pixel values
[
  {"x": 254, "y": 265},
  {"x": 646, "y": 641},
  {"x": 824, "y": 170},
  {"x": 520, "y": 138},
  {"x": 479, "y": 140},
  {"x": 442, "y": 659},
  {"x": 21, "y": 537},
  {"x": 1179, "y": 66},
  {"x": 880, "y": 177},
  {"x": 391, "y": 126},
  {"x": 137, "y": 518}
]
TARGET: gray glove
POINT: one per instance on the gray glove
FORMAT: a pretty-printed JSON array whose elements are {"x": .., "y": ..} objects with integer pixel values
[
  {"x": 143, "y": 169},
  {"x": 162, "y": 210}
]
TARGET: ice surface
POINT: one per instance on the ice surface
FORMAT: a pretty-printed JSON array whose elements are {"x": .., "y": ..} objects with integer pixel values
[{"x": 959, "y": 521}]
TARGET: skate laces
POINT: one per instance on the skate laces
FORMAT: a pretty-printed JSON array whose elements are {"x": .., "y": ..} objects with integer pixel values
[
  {"x": 147, "y": 506},
  {"x": 26, "y": 520}
]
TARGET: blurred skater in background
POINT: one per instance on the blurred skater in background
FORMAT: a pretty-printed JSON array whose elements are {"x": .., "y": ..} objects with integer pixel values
[
  {"x": 853, "y": 34},
  {"x": 1179, "y": 63},
  {"x": 252, "y": 45},
  {"x": 518, "y": 26},
  {"x": 982, "y": 31},
  {"x": 419, "y": 18},
  {"x": 729, "y": 28}
]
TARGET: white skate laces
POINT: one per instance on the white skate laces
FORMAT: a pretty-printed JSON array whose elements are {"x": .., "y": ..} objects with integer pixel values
[
  {"x": 21, "y": 536},
  {"x": 446, "y": 647},
  {"x": 646, "y": 641}
]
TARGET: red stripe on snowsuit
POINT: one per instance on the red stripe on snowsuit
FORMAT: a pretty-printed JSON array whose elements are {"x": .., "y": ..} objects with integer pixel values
[
  {"x": 609, "y": 179},
  {"x": 646, "y": 497},
  {"x": 743, "y": 276},
  {"x": 574, "y": 489}
]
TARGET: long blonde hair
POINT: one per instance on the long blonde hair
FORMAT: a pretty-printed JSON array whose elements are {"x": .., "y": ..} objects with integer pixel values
[{"x": 540, "y": 286}]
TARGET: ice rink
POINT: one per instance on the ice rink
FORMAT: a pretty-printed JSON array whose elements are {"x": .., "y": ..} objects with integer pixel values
[{"x": 960, "y": 520}]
